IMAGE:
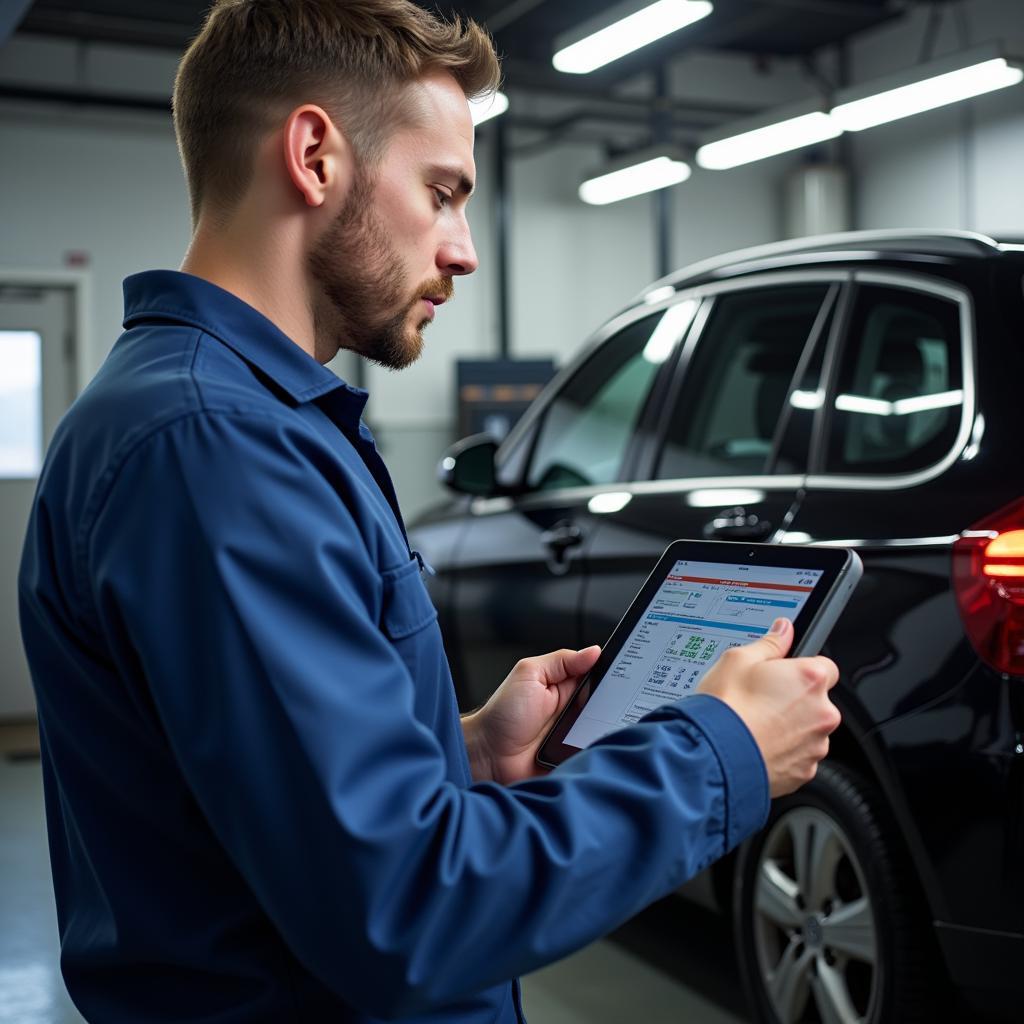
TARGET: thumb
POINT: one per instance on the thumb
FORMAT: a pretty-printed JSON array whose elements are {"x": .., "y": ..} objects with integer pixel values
[
  {"x": 584, "y": 660},
  {"x": 558, "y": 666},
  {"x": 774, "y": 644}
]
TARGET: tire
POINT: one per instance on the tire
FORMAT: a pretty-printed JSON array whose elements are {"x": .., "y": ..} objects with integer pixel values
[{"x": 843, "y": 939}]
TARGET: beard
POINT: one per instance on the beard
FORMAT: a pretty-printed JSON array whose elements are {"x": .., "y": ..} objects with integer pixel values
[{"x": 359, "y": 278}]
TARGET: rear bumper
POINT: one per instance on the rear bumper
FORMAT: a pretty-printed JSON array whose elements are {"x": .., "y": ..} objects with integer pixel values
[{"x": 985, "y": 966}]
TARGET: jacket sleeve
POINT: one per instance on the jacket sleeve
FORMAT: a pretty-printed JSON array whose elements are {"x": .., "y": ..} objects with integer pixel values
[{"x": 254, "y": 617}]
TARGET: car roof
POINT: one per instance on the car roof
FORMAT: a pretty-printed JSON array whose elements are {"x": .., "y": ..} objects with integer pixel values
[{"x": 844, "y": 245}]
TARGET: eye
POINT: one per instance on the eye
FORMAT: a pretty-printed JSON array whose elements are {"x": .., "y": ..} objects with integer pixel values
[{"x": 442, "y": 197}]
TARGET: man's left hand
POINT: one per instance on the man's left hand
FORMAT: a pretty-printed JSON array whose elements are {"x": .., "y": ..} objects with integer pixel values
[{"x": 504, "y": 735}]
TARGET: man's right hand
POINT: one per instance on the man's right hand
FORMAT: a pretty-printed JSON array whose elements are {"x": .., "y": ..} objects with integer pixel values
[{"x": 783, "y": 702}]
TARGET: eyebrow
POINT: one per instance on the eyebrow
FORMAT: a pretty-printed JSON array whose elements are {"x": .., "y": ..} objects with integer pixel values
[{"x": 465, "y": 185}]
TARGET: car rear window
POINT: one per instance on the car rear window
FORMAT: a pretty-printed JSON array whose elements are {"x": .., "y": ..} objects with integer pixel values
[
  {"x": 725, "y": 419},
  {"x": 899, "y": 390}
]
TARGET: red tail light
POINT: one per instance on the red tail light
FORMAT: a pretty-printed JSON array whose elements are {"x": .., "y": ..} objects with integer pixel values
[{"x": 988, "y": 577}]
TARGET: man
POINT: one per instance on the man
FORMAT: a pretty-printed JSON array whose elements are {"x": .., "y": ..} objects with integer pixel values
[{"x": 262, "y": 804}]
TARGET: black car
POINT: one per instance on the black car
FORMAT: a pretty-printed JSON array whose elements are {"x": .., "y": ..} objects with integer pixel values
[{"x": 863, "y": 390}]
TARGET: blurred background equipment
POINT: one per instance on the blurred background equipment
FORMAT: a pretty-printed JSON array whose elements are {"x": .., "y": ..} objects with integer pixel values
[{"x": 494, "y": 393}]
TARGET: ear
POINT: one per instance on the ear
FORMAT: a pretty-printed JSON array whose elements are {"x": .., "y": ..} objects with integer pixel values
[{"x": 318, "y": 157}]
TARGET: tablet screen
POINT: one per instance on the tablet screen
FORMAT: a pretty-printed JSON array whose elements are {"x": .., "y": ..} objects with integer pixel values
[{"x": 700, "y": 610}]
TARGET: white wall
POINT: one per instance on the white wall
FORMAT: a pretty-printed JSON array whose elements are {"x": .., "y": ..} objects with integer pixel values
[
  {"x": 110, "y": 189},
  {"x": 956, "y": 167},
  {"x": 109, "y": 185},
  {"x": 571, "y": 264}
]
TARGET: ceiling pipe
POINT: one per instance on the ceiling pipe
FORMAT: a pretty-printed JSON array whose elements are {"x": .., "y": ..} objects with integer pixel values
[
  {"x": 552, "y": 128},
  {"x": 661, "y": 132},
  {"x": 525, "y": 77},
  {"x": 99, "y": 28},
  {"x": 109, "y": 100},
  {"x": 579, "y": 138}
]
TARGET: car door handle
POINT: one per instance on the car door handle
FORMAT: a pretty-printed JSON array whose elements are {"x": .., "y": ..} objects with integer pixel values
[
  {"x": 738, "y": 524},
  {"x": 561, "y": 537}
]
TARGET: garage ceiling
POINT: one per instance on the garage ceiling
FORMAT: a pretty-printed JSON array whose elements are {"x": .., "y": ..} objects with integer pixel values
[
  {"x": 525, "y": 32},
  {"x": 524, "y": 29}
]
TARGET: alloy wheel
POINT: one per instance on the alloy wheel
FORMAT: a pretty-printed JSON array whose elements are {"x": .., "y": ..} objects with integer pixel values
[{"x": 815, "y": 933}]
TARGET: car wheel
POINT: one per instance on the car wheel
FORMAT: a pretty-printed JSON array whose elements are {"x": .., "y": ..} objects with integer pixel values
[{"x": 828, "y": 925}]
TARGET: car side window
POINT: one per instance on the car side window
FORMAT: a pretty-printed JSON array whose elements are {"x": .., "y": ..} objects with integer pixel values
[
  {"x": 588, "y": 426},
  {"x": 725, "y": 418},
  {"x": 899, "y": 388}
]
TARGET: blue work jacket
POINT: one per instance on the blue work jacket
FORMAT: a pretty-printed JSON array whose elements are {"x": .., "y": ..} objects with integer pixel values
[{"x": 258, "y": 796}]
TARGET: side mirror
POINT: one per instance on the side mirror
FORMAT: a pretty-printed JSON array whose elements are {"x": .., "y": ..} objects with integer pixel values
[{"x": 468, "y": 466}]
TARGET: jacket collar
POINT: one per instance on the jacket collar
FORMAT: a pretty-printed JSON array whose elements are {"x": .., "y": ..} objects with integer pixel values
[{"x": 172, "y": 295}]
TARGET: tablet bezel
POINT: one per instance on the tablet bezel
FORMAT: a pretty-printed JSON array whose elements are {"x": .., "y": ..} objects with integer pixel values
[{"x": 831, "y": 561}]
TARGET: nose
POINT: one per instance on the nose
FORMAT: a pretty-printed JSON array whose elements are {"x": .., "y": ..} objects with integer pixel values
[{"x": 456, "y": 255}]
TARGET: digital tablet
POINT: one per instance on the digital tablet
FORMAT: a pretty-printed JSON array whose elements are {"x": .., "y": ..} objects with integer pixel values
[{"x": 702, "y": 598}]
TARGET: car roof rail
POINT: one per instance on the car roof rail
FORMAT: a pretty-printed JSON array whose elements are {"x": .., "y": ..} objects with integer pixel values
[{"x": 939, "y": 243}]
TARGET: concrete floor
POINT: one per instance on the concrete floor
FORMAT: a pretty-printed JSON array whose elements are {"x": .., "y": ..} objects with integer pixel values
[
  {"x": 31, "y": 989},
  {"x": 670, "y": 965}
]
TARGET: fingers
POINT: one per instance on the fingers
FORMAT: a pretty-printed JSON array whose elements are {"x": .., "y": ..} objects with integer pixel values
[
  {"x": 831, "y": 670},
  {"x": 821, "y": 670}
]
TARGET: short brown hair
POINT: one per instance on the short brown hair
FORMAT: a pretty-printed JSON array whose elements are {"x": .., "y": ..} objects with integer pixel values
[{"x": 254, "y": 60}]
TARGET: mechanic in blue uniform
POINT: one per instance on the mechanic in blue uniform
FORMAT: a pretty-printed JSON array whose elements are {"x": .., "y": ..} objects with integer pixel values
[{"x": 262, "y": 803}]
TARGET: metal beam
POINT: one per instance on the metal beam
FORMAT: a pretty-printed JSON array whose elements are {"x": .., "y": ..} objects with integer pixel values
[
  {"x": 578, "y": 138},
  {"x": 835, "y": 8}
]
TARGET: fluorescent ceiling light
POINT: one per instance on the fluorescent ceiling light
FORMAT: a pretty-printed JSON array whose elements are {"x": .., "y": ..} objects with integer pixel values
[
  {"x": 926, "y": 94},
  {"x": 641, "y": 175},
  {"x": 485, "y": 107},
  {"x": 742, "y": 147},
  {"x": 627, "y": 32},
  {"x": 956, "y": 77}
]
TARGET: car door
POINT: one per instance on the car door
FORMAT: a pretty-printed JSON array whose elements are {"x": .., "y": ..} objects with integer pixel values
[
  {"x": 515, "y": 578},
  {"x": 903, "y": 466},
  {"x": 894, "y": 419},
  {"x": 896, "y": 475},
  {"x": 729, "y": 460}
]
